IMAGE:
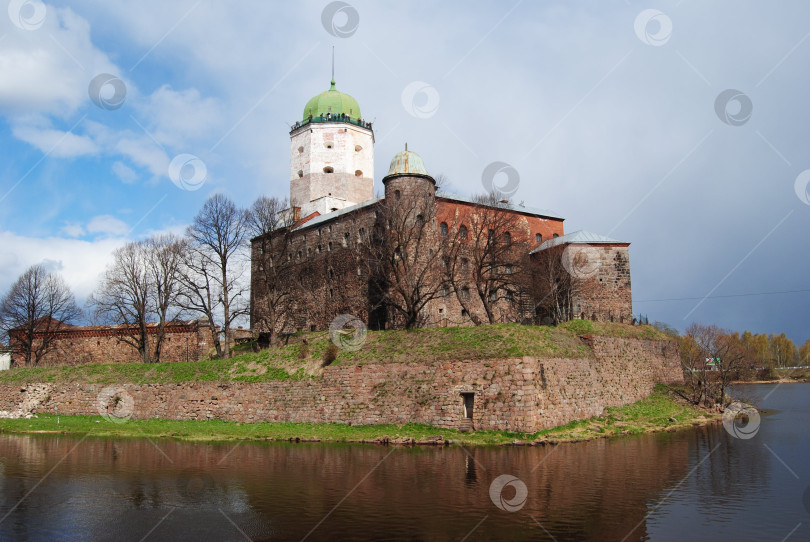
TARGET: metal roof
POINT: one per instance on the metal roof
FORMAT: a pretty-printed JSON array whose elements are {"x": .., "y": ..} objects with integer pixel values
[
  {"x": 334, "y": 214},
  {"x": 511, "y": 206},
  {"x": 579, "y": 237}
]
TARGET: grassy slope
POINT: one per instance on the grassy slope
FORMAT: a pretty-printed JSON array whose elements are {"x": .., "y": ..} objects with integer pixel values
[
  {"x": 286, "y": 361},
  {"x": 651, "y": 414}
]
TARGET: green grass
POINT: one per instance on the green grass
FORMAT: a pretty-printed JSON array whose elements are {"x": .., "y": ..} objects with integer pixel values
[
  {"x": 397, "y": 346},
  {"x": 651, "y": 414}
]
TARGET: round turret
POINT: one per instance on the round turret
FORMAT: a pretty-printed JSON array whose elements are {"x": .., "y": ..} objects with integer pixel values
[{"x": 408, "y": 175}]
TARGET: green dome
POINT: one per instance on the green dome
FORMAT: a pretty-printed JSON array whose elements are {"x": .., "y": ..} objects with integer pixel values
[
  {"x": 332, "y": 101},
  {"x": 407, "y": 162}
]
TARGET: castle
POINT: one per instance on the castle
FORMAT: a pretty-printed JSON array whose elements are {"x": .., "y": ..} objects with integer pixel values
[{"x": 416, "y": 256}]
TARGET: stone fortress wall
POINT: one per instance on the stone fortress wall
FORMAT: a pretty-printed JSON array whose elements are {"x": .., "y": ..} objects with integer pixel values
[{"x": 517, "y": 394}]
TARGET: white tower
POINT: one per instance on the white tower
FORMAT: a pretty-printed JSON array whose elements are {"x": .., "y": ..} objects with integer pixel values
[{"x": 331, "y": 155}]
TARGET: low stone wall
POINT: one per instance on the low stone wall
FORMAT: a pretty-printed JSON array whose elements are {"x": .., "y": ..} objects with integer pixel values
[{"x": 517, "y": 394}]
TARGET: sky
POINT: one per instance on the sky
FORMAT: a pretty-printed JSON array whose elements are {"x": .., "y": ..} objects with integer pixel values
[{"x": 681, "y": 127}]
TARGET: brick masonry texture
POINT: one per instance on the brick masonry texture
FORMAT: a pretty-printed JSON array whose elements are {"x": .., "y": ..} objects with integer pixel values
[
  {"x": 78, "y": 345},
  {"x": 517, "y": 394}
]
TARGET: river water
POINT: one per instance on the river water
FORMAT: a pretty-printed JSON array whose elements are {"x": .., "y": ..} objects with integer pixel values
[{"x": 701, "y": 484}]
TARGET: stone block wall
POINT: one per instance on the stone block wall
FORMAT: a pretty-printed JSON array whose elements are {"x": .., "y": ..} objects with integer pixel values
[{"x": 517, "y": 394}]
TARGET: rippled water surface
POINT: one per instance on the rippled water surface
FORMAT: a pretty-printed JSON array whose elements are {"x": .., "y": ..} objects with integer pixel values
[{"x": 692, "y": 485}]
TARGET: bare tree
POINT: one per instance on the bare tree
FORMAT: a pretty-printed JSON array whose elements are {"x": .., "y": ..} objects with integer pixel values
[
  {"x": 219, "y": 233},
  {"x": 141, "y": 284},
  {"x": 553, "y": 286},
  {"x": 404, "y": 258},
  {"x": 38, "y": 305},
  {"x": 492, "y": 256},
  {"x": 726, "y": 352},
  {"x": 562, "y": 278},
  {"x": 273, "y": 274}
]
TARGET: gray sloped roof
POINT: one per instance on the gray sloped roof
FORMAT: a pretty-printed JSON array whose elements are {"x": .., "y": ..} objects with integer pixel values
[
  {"x": 579, "y": 237},
  {"x": 527, "y": 210},
  {"x": 334, "y": 214}
]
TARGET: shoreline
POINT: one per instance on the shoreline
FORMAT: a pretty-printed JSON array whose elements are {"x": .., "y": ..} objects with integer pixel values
[{"x": 660, "y": 412}]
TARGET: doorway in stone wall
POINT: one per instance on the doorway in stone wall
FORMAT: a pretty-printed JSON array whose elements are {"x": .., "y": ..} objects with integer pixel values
[{"x": 469, "y": 404}]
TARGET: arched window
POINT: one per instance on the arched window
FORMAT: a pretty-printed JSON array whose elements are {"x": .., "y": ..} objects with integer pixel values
[
  {"x": 346, "y": 239},
  {"x": 555, "y": 236},
  {"x": 465, "y": 294},
  {"x": 328, "y": 169},
  {"x": 538, "y": 237},
  {"x": 507, "y": 238},
  {"x": 331, "y": 273},
  {"x": 397, "y": 194},
  {"x": 462, "y": 232},
  {"x": 300, "y": 150},
  {"x": 465, "y": 263},
  {"x": 443, "y": 229},
  {"x": 358, "y": 173},
  {"x": 300, "y": 173},
  {"x": 330, "y": 246}
]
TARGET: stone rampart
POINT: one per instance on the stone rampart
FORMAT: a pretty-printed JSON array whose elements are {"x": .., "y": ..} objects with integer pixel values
[{"x": 517, "y": 394}]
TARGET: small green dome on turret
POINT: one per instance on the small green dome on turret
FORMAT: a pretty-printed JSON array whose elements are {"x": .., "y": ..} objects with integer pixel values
[
  {"x": 332, "y": 101},
  {"x": 407, "y": 162}
]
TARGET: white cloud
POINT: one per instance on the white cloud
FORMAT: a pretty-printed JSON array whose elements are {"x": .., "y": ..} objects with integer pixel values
[
  {"x": 55, "y": 143},
  {"x": 107, "y": 224},
  {"x": 72, "y": 229},
  {"x": 177, "y": 117},
  {"x": 124, "y": 172},
  {"x": 48, "y": 71},
  {"x": 79, "y": 262}
]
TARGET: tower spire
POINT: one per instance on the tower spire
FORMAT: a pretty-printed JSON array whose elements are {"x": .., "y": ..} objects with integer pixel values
[{"x": 333, "y": 65}]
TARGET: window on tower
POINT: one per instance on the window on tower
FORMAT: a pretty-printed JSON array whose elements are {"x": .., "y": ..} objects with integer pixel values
[
  {"x": 358, "y": 173},
  {"x": 300, "y": 173},
  {"x": 358, "y": 148},
  {"x": 538, "y": 237},
  {"x": 328, "y": 169},
  {"x": 300, "y": 150},
  {"x": 443, "y": 229}
]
